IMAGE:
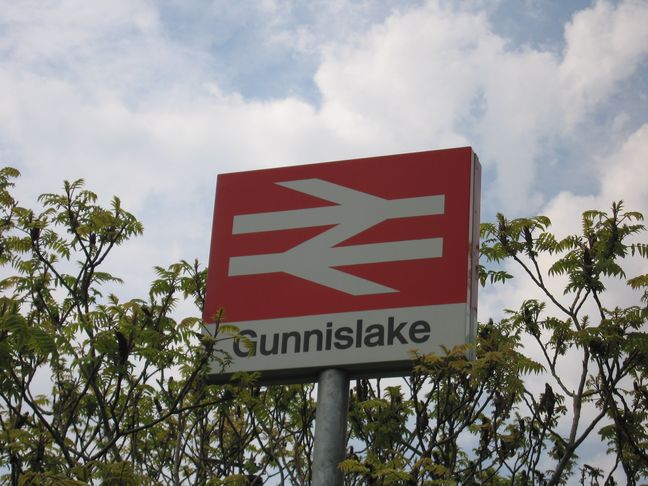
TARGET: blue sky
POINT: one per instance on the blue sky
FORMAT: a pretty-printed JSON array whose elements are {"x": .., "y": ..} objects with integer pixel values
[{"x": 151, "y": 100}]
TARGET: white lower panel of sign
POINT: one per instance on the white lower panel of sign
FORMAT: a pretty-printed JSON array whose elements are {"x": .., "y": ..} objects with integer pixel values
[{"x": 366, "y": 343}]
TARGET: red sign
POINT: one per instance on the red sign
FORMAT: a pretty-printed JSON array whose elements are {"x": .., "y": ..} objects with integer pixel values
[{"x": 340, "y": 239}]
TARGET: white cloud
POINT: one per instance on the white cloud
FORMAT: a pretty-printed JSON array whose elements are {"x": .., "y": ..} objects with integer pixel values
[
  {"x": 426, "y": 78},
  {"x": 604, "y": 45},
  {"x": 71, "y": 31},
  {"x": 623, "y": 174},
  {"x": 435, "y": 76},
  {"x": 408, "y": 82}
]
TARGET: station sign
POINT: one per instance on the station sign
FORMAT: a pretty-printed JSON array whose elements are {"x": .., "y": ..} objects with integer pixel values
[{"x": 353, "y": 264}]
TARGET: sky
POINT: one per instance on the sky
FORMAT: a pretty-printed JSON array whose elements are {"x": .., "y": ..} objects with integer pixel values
[{"x": 150, "y": 100}]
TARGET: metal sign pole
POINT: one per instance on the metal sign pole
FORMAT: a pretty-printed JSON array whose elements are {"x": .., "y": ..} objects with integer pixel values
[{"x": 330, "y": 427}]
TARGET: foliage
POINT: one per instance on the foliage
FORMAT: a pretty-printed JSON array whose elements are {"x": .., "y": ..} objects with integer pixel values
[
  {"x": 611, "y": 345},
  {"x": 129, "y": 402},
  {"x": 484, "y": 421},
  {"x": 96, "y": 390}
]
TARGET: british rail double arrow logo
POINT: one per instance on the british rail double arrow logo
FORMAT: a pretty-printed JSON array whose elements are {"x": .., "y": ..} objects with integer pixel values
[{"x": 354, "y": 211}]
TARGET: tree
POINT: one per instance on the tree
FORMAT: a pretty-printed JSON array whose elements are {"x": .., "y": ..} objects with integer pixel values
[
  {"x": 511, "y": 435},
  {"x": 612, "y": 344},
  {"x": 128, "y": 399},
  {"x": 130, "y": 403}
]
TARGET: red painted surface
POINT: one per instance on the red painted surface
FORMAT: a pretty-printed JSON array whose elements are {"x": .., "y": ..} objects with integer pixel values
[{"x": 419, "y": 282}]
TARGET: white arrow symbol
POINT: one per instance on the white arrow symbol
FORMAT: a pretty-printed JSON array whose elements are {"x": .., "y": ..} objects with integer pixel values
[{"x": 355, "y": 211}]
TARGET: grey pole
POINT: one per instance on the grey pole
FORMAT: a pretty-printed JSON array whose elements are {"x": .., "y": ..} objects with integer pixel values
[{"x": 330, "y": 427}]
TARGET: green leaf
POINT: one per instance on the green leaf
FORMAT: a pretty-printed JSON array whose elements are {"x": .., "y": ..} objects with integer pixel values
[{"x": 42, "y": 341}]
